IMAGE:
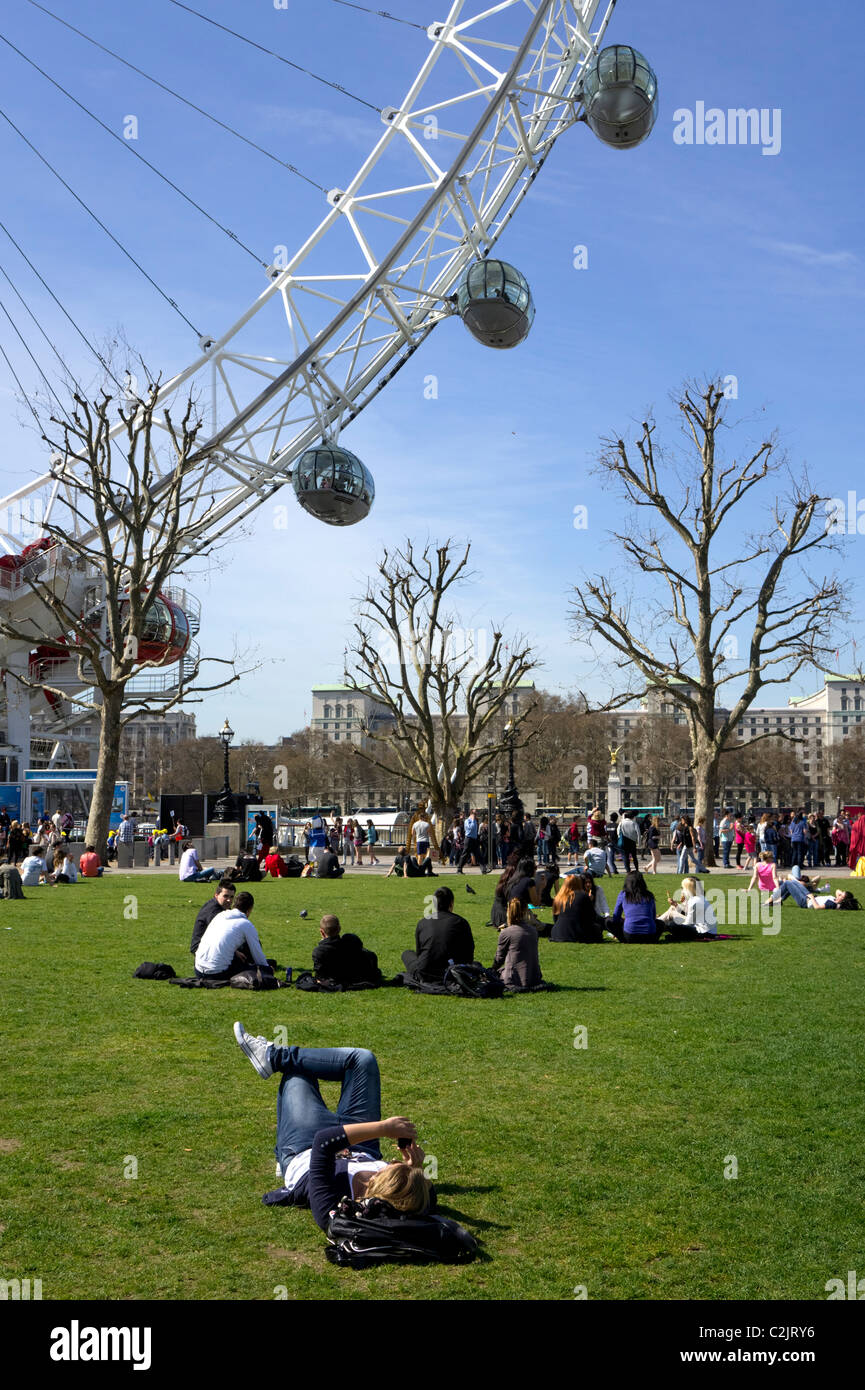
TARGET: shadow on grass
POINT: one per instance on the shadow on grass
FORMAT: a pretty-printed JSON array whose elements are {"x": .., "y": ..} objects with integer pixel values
[{"x": 476, "y": 1223}]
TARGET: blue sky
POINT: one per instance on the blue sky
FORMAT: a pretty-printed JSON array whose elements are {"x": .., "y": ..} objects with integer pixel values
[{"x": 701, "y": 259}]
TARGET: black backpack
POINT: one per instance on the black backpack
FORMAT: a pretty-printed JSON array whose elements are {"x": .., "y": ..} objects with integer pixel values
[
  {"x": 373, "y": 1232},
  {"x": 474, "y": 981},
  {"x": 150, "y": 970}
]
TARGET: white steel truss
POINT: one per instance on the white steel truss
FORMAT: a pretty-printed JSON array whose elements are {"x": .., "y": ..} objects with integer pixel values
[{"x": 347, "y": 311}]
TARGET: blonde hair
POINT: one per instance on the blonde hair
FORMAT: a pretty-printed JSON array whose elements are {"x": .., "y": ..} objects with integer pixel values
[
  {"x": 690, "y": 886},
  {"x": 515, "y": 912},
  {"x": 404, "y": 1187}
]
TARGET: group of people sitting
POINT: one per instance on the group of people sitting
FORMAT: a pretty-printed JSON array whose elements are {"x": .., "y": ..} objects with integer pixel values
[
  {"x": 45, "y": 866},
  {"x": 225, "y": 942}
]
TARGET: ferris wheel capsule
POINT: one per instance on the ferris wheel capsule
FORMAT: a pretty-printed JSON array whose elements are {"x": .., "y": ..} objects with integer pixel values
[
  {"x": 165, "y": 633},
  {"x": 620, "y": 96},
  {"x": 495, "y": 303},
  {"x": 333, "y": 485}
]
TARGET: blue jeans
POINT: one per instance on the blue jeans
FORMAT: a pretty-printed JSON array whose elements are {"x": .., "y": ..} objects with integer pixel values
[
  {"x": 791, "y": 888},
  {"x": 683, "y": 863},
  {"x": 300, "y": 1110},
  {"x": 202, "y": 876},
  {"x": 725, "y": 852}
]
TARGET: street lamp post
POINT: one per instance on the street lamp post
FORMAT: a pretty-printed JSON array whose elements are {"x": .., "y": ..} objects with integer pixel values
[
  {"x": 510, "y": 804},
  {"x": 225, "y": 810}
]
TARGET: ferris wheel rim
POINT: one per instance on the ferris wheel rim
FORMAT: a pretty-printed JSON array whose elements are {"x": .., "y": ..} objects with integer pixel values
[{"x": 273, "y": 473}]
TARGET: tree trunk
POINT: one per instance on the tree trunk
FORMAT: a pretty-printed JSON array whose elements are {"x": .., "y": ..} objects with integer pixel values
[
  {"x": 705, "y": 794},
  {"x": 106, "y": 773}
]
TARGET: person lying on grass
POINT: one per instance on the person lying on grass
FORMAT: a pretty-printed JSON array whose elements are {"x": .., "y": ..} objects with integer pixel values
[
  {"x": 800, "y": 889},
  {"x": 839, "y": 899},
  {"x": 325, "y": 1156}
]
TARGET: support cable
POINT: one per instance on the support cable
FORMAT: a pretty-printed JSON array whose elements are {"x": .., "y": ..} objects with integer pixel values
[
  {"x": 270, "y": 52},
  {"x": 292, "y": 169},
  {"x": 44, "y": 283},
  {"x": 381, "y": 14},
  {"x": 127, "y": 146},
  {"x": 128, "y": 254}
]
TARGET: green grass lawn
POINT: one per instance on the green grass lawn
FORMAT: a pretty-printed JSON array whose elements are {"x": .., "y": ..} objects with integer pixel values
[{"x": 600, "y": 1166}]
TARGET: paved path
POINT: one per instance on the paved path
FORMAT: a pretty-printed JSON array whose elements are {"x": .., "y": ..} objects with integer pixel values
[{"x": 445, "y": 871}]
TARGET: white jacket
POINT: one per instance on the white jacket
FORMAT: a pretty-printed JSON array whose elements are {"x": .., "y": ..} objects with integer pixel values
[{"x": 227, "y": 931}]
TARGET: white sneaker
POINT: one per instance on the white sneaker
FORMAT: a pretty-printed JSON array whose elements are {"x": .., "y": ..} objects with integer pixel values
[{"x": 256, "y": 1050}]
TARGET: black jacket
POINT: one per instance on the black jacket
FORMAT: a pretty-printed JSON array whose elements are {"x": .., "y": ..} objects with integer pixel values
[
  {"x": 202, "y": 922},
  {"x": 439, "y": 940},
  {"x": 578, "y": 922},
  {"x": 343, "y": 958},
  {"x": 328, "y": 866}
]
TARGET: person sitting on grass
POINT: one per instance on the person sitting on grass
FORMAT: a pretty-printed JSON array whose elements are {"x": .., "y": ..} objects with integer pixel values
[
  {"x": 546, "y": 878},
  {"x": 499, "y": 910},
  {"x": 522, "y": 885},
  {"x": 325, "y": 1156},
  {"x": 221, "y": 901},
  {"x": 34, "y": 870},
  {"x": 765, "y": 874},
  {"x": 246, "y": 869},
  {"x": 407, "y": 865},
  {"x": 439, "y": 939},
  {"x": 10, "y": 882},
  {"x": 574, "y": 915},
  {"x": 230, "y": 944},
  {"x": 691, "y": 916},
  {"x": 517, "y": 952},
  {"x": 64, "y": 870},
  {"x": 274, "y": 864},
  {"x": 329, "y": 866},
  {"x": 634, "y": 917},
  {"x": 90, "y": 865},
  {"x": 343, "y": 959},
  {"x": 191, "y": 868},
  {"x": 595, "y": 859}
]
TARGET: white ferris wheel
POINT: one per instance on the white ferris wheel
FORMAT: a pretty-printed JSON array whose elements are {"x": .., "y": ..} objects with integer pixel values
[
  {"x": 391, "y": 259},
  {"x": 405, "y": 245}
]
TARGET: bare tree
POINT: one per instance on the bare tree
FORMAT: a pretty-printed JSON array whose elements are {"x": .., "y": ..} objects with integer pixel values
[
  {"x": 685, "y": 643},
  {"x": 445, "y": 698},
  {"x": 845, "y": 771},
  {"x": 662, "y": 752},
  {"x": 125, "y": 525}
]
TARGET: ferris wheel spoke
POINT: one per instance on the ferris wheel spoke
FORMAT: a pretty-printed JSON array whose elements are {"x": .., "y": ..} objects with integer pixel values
[{"x": 382, "y": 269}]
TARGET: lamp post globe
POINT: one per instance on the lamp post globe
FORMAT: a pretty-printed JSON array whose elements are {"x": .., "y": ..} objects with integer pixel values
[
  {"x": 495, "y": 303},
  {"x": 333, "y": 485},
  {"x": 620, "y": 96}
]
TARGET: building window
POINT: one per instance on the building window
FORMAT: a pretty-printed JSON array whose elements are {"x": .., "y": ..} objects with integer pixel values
[
  {"x": 328, "y": 712},
  {"x": 336, "y": 738},
  {"x": 349, "y": 709},
  {"x": 339, "y": 711}
]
